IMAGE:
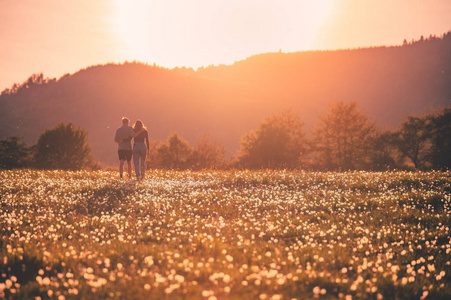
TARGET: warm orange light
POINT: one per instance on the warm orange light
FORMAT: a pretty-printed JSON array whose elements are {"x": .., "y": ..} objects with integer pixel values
[{"x": 199, "y": 32}]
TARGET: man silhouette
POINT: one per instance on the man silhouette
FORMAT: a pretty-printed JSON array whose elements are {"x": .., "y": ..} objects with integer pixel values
[{"x": 123, "y": 137}]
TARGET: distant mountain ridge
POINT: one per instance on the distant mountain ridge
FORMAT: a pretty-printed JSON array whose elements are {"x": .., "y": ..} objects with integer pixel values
[{"x": 227, "y": 101}]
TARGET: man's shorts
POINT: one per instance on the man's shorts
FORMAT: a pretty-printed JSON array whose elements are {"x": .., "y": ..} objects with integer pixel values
[{"x": 125, "y": 155}]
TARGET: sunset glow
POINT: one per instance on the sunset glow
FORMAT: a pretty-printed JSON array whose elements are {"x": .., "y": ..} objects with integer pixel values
[
  {"x": 59, "y": 37},
  {"x": 195, "y": 33}
]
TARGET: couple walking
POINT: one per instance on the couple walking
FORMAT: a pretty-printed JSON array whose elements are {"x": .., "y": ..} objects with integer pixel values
[{"x": 140, "y": 136}]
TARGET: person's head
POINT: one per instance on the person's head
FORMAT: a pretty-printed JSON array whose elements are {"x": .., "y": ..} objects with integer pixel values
[
  {"x": 138, "y": 125},
  {"x": 125, "y": 121}
]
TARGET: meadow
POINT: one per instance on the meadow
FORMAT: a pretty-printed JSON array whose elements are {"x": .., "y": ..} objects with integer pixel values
[{"x": 225, "y": 235}]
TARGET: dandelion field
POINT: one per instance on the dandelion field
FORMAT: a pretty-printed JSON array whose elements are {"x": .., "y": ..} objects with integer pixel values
[{"x": 225, "y": 235}]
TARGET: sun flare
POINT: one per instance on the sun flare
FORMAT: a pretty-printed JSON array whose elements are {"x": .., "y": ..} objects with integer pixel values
[
  {"x": 198, "y": 32},
  {"x": 131, "y": 23}
]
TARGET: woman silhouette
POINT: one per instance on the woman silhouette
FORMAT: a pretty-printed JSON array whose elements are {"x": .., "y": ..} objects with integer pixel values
[{"x": 140, "y": 149}]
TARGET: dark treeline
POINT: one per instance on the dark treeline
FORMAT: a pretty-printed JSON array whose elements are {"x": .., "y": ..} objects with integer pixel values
[
  {"x": 228, "y": 101},
  {"x": 344, "y": 139}
]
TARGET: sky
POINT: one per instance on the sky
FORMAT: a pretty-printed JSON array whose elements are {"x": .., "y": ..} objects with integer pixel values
[{"x": 59, "y": 37}]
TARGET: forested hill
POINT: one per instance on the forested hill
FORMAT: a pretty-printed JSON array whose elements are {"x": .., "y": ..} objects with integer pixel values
[{"x": 228, "y": 101}]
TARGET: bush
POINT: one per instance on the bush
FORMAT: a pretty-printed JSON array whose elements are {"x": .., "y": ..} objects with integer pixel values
[
  {"x": 278, "y": 143},
  {"x": 14, "y": 153},
  {"x": 63, "y": 147}
]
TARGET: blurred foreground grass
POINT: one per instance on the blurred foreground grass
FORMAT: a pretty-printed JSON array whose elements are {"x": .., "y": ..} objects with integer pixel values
[{"x": 225, "y": 235}]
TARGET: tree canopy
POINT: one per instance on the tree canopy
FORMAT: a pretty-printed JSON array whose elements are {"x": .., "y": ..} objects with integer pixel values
[
  {"x": 343, "y": 137},
  {"x": 63, "y": 147},
  {"x": 14, "y": 153},
  {"x": 440, "y": 124},
  {"x": 175, "y": 153},
  {"x": 277, "y": 143},
  {"x": 425, "y": 141}
]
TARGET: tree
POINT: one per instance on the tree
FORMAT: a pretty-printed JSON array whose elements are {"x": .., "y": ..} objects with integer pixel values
[
  {"x": 63, "y": 147},
  {"x": 381, "y": 152},
  {"x": 175, "y": 153},
  {"x": 277, "y": 143},
  {"x": 208, "y": 154},
  {"x": 440, "y": 129},
  {"x": 342, "y": 139},
  {"x": 413, "y": 140},
  {"x": 14, "y": 153},
  {"x": 153, "y": 161}
]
